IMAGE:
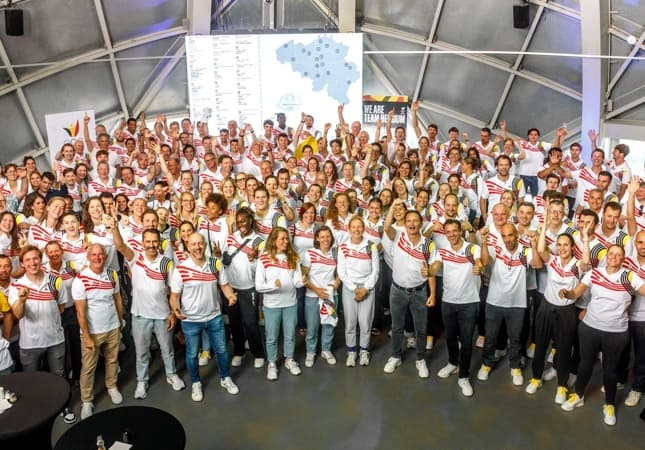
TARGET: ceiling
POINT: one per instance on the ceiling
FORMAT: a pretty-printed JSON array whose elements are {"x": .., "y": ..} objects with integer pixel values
[{"x": 120, "y": 57}]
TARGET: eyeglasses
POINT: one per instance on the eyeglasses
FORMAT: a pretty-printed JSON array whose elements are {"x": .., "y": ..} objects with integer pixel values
[{"x": 240, "y": 179}]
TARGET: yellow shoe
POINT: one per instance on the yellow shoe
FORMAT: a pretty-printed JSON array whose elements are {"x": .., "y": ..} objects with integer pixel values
[
  {"x": 204, "y": 357},
  {"x": 561, "y": 395},
  {"x": 609, "y": 414}
]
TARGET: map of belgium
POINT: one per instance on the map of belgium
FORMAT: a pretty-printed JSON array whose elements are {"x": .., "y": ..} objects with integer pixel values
[{"x": 323, "y": 61}]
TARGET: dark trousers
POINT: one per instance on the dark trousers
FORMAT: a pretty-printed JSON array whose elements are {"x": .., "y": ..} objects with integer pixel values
[
  {"x": 637, "y": 341},
  {"x": 69, "y": 320},
  {"x": 575, "y": 357},
  {"x": 611, "y": 345},
  {"x": 514, "y": 318},
  {"x": 459, "y": 321},
  {"x": 557, "y": 323},
  {"x": 300, "y": 297},
  {"x": 435, "y": 318},
  {"x": 533, "y": 299},
  {"x": 382, "y": 296},
  {"x": 502, "y": 336},
  {"x": 243, "y": 318}
]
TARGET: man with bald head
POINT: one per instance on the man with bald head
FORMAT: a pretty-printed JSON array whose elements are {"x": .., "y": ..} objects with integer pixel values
[
  {"x": 506, "y": 300},
  {"x": 97, "y": 296}
]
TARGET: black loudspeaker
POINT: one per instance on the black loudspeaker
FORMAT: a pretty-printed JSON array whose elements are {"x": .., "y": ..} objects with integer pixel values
[
  {"x": 13, "y": 22},
  {"x": 521, "y": 16}
]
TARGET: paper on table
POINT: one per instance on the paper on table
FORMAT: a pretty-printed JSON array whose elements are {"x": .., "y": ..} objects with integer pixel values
[
  {"x": 4, "y": 405},
  {"x": 118, "y": 445}
]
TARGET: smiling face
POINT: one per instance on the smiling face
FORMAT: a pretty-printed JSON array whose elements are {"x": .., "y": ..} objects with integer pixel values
[{"x": 31, "y": 262}]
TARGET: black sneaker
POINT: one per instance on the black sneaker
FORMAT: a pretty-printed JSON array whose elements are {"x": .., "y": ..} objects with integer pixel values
[{"x": 68, "y": 416}]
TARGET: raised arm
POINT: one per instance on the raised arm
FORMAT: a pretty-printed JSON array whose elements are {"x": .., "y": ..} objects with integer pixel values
[
  {"x": 415, "y": 119},
  {"x": 633, "y": 186}
]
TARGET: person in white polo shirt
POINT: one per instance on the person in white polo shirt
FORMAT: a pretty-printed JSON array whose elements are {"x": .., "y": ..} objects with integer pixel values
[
  {"x": 506, "y": 300},
  {"x": 97, "y": 296},
  {"x": 604, "y": 326},
  {"x": 410, "y": 251},
  {"x": 195, "y": 300},
  {"x": 358, "y": 268},
  {"x": 150, "y": 273},
  {"x": 462, "y": 266}
]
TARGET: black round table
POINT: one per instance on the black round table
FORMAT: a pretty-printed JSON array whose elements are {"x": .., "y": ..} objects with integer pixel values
[
  {"x": 28, "y": 424},
  {"x": 147, "y": 428}
]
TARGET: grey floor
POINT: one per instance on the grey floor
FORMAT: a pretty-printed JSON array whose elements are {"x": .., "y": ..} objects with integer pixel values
[{"x": 362, "y": 408}]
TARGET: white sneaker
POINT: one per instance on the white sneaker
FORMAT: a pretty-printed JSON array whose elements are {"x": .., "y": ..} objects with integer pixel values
[
  {"x": 422, "y": 369},
  {"x": 176, "y": 382},
  {"x": 310, "y": 359},
  {"x": 549, "y": 374},
  {"x": 328, "y": 356},
  {"x": 479, "y": 343},
  {"x": 258, "y": 363},
  {"x": 272, "y": 371},
  {"x": 115, "y": 396},
  {"x": 483, "y": 373},
  {"x": 447, "y": 370},
  {"x": 228, "y": 384},
  {"x": 197, "y": 394},
  {"x": 237, "y": 361},
  {"x": 364, "y": 359},
  {"x": 561, "y": 395},
  {"x": 391, "y": 364},
  {"x": 87, "y": 410},
  {"x": 609, "y": 414},
  {"x": 429, "y": 342},
  {"x": 141, "y": 390},
  {"x": 466, "y": 388},
  {"x": 411, "y": 342},
  {"x": 292, "y": 366},
  {"x": 204, "y": 357},
  {"x": 518, "y": 378},
  {"x": 351, "y": 359},
  {"x": 533, "y": 386},
  {"x": 530, "y": 351},
  {"x": 551, "y": 356},
  {"x": 633, "y": 398},
  {"x": 573, "y": 402}
]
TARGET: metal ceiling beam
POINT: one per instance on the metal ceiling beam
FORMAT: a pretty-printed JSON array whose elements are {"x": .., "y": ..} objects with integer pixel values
[
  {"x": 26, "y": 109},
  {"x": 516, "y": 66},
  {"x": 74, "y": 61},
  {"x": 222, "y": 8},
  {"x": 424, "y": 62},
  {"x": 325, "y": 10},
  {"x": 624, "y": 35},
  {"x": 347, "y": 16},
  {"x": 199, "y": 16},
  {"x": 155, "y": 86},
  {"x": 627, "y": 107},
  {"x": 113, "y": 66},
  {"x": 594, "y": 20},
  {"x": 483, "y": 59},
  {"x": 569, "y": 12},
  {"x": 621, "y": 70}
]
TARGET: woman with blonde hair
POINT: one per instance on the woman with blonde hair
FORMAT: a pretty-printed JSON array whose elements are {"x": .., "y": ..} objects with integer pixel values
[
  {"x": 277, "y": 276},
  {"x": 358, "y": 269}
]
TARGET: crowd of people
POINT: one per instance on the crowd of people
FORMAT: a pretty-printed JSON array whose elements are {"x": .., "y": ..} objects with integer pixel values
[{"x": 163, "y": 234}]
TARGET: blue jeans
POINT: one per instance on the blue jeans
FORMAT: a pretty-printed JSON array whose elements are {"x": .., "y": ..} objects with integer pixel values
[
  {"x": 214, "y": 328},
  {"x": 400, "y": 302},
  {"x": 530, "y": 183},
  {"x": 142, "y": 330},
  {"x": 273, "y": 318},
  {"x": 312, "y": 315},
  {"x": 513, "y": 317}
]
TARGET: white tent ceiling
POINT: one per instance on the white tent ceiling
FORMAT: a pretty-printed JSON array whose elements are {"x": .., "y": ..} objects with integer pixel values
[{"x": 120, "y": 57}]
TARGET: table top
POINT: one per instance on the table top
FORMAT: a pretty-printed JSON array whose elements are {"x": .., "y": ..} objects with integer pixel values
[
  {"x": 147, "y": 428},
  {"x": 41, "y": 396}
]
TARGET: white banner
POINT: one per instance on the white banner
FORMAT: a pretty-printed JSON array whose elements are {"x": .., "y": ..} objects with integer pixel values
[{"x": 67, "y": 127}]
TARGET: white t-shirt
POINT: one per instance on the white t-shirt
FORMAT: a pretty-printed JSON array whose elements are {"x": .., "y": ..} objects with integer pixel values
[
  {"x": 241, "y": 271},
  {"x": 408, "y": 259},
  {"x": 358, "y": 264},
  {"x": 40, "y": 327},
  {"x": 268, "y": 271},
  {"x": 460, "y": 286},
  {"x": 611, "y": 296},
  {"x": 150, "y": 286},
  {"x": 507, "y": 286},
  {"x": 98, "y": 291},
  {"x": 561, "y": 277},
  {"x": 197, "y": 285},
  {"x": 322, "y": 268}
]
